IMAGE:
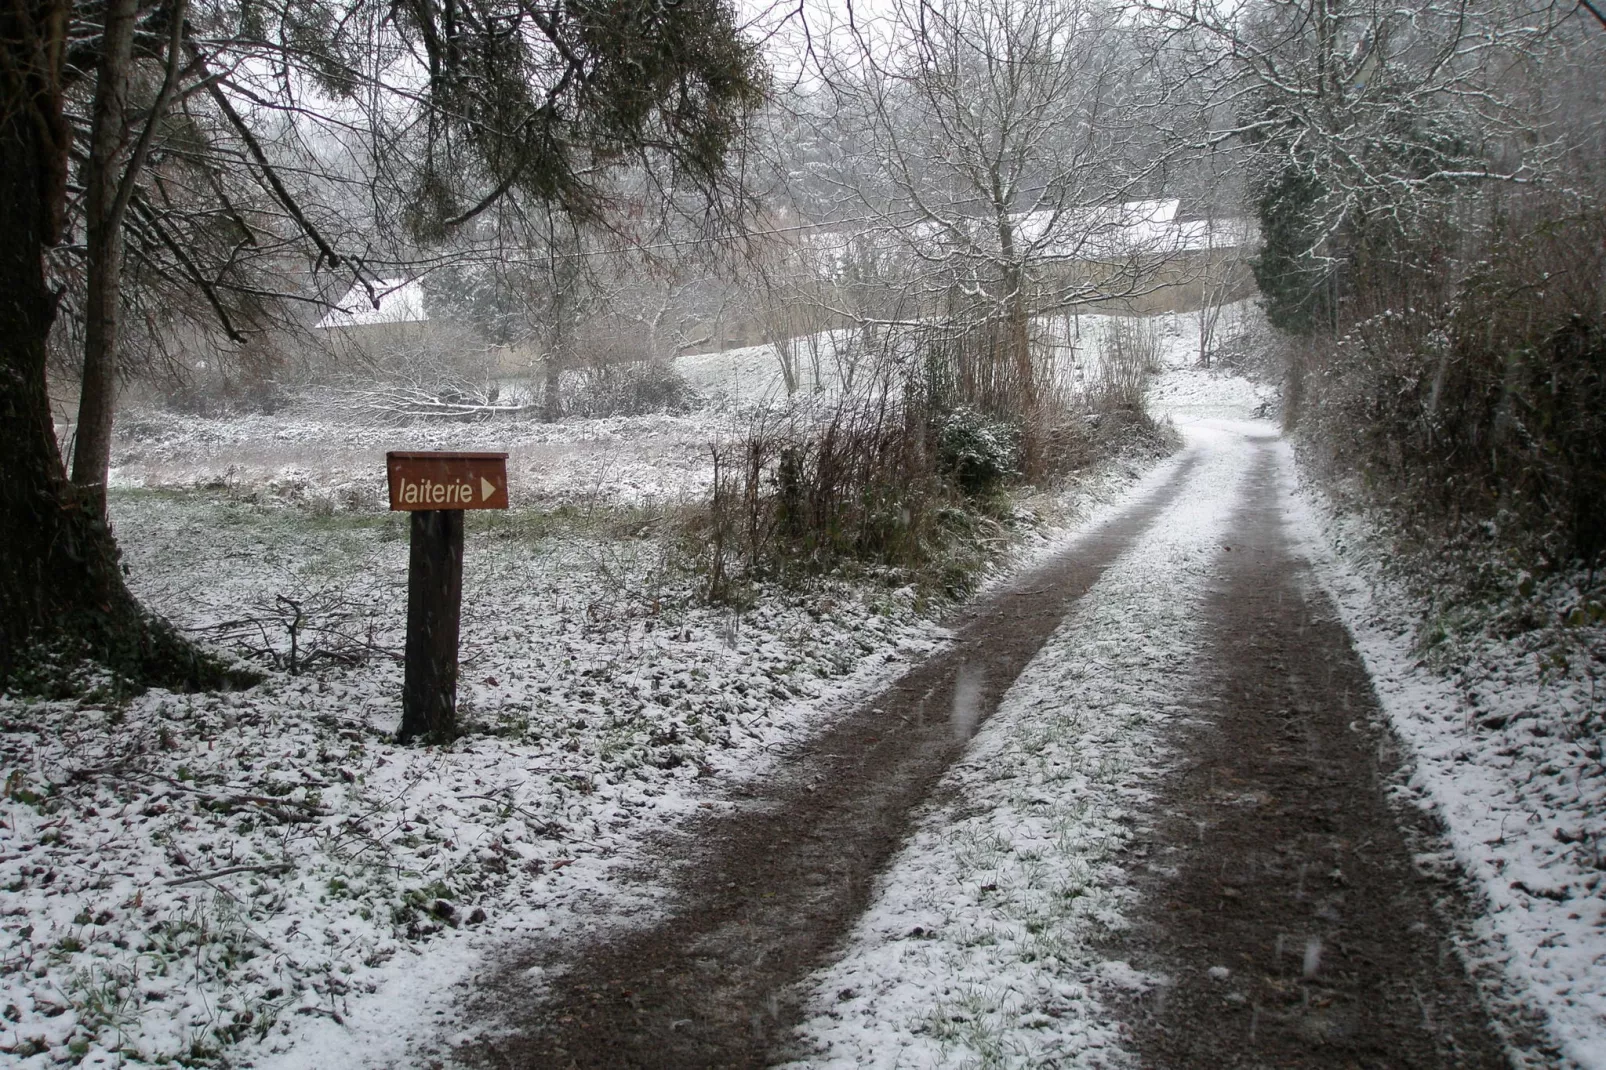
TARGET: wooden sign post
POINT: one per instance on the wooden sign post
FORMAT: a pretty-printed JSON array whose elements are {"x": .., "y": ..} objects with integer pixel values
[{"x": 436, "y": 488}]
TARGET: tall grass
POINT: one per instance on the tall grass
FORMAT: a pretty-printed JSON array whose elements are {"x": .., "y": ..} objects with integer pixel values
[{"x": 809, "y": 489}]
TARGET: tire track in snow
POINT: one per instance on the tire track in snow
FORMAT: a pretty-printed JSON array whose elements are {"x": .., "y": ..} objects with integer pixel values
[
  {"x": 983, "y": 945},
  {"x": 768, "y": 890},
  {"x": 1281, "y": 901}
]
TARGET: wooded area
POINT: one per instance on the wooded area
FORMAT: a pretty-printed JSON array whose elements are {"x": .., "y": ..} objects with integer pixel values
[{"x": 1016, "y": 533}]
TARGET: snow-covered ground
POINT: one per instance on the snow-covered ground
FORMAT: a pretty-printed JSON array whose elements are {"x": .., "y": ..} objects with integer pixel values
[
  {"x": 314, "y": 455},
  {"x": 1505, "y": 732},
  {"x": 981, "y": 947},
  {"x": 263, "y": 877},
  {"x": 754, "y": 374},
  {"x": 324, "y": 450},
  {"x": 186, "y": 872}
]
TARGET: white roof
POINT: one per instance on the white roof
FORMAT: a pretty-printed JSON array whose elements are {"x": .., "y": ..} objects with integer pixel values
[
  {"x": 1084, "y": 233},
  {"x": 399, "y": 301}
]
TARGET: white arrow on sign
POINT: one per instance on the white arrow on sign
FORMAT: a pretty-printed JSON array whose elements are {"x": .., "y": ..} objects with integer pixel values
[{"x": 487, "y": 488}]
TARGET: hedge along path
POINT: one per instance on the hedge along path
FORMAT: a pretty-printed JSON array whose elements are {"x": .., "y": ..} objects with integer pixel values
[{"x": 771, "y": 888}]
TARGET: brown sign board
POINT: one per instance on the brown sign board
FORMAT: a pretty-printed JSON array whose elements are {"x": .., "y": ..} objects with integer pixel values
[{"x": 440, "y": 480}]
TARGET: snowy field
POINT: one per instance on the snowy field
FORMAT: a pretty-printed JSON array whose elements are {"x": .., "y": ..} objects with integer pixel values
[
  {"x": 323, "y": 452},
  {"x": 311, "y": 455},
  {"x": 329, "y": 454}
]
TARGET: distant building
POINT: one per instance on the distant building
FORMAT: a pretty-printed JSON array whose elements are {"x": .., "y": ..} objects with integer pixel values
[
  {"x": 379, "y": 322},
  {"x": 387, "y": 303},
  {"x": 1132, "y": 257}
]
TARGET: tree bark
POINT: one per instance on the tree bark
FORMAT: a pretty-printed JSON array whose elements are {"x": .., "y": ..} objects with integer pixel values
[
  {"x": 551, "y": 396},
  {"x": 107, "y": 141},
  {"x": 1017, "y": 348}
]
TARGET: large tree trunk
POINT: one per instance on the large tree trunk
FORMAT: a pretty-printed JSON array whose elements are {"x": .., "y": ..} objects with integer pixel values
[
  {"x": 61, "y": 585},
  {"x": 1017, "y": 348}
]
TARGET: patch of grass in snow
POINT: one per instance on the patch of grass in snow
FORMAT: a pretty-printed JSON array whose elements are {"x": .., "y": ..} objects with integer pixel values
[
  {"x": 1482, "y": 603},
  {"x": 312, "y": 542},
  {"x": 966, "y": 1019},
  {"x": 228, "y": 508}
]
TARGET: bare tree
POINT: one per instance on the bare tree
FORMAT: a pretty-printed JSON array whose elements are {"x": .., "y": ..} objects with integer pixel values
[
  {"x": 1364, "y": 119},
  {"x": 993, "y": 149}
]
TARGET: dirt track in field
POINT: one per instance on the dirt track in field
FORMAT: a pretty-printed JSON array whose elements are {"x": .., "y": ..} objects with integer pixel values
[
  {"x": 1283, "y": 861},
  {"x": 1286, "y": 866},
  {"x": 774, "y": 885}
]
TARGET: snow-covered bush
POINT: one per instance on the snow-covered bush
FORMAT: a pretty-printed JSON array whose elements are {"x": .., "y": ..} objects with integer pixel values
[
  {"x": 627, "y": 388},
  {"x": 1478, "y": 395},
  {"x": 859, "y": 484},
  {"x": 979, "y": 453}
]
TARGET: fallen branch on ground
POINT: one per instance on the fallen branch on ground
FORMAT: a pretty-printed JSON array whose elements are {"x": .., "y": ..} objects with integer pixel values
[{"x": 273, "y": 867}]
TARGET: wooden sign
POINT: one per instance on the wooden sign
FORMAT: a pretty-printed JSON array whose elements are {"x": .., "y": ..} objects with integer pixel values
[
  {"x": 436, "y": 487},
  {"x": 440, "y": 480}
]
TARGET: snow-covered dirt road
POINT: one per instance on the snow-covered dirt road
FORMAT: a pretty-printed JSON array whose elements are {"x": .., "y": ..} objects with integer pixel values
[
  {"x": 1171, "y": 845},
  {"x": 984, "y": 943},
  {"x": 770, "y": 884}
]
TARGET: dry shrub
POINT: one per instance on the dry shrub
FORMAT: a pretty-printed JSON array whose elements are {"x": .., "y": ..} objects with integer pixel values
[
  {"x": 807, "y": 491},
  {"x": 625, "y": 388},
  {"x": 1130, "y": 354},
  {"x": 905, "y": 475},
  {"x": 976, "y": 364},
  {"x": 1476, "y": 401}
]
